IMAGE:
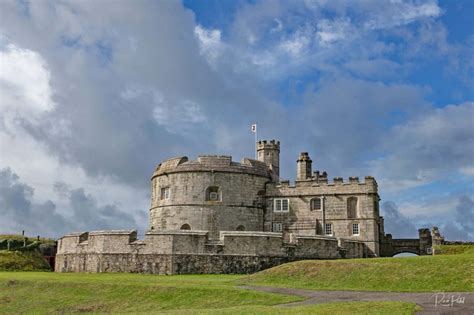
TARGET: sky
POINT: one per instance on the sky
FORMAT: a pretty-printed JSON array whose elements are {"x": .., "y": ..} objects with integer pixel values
[{"x": 95, "y": 94}]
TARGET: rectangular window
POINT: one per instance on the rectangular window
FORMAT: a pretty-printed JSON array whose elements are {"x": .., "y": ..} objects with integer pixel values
[
  {"x": 165, "y": 193},
  {"x": 316, "y": 203},
  {"x": 328, "y": 229},
  {"x": 214, "y": 196},
  {"x": 355, "y": 229},
  {"x": 281, "y": 205},
  {"x": 277, "y": 227}
]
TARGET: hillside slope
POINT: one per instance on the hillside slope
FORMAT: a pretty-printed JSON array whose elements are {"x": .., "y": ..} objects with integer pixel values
[
  {"x": 404, "y": 274},
  {"x": 22, "y": 261}
]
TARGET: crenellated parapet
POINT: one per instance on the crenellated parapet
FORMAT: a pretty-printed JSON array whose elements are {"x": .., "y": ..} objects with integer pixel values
[
  {"x": 268, "y": 152},
  {"x": 211, "y": 163},
  {"x": 265, "y": 144},
  {"x": 337, "y": 186},
  {"x": 113, "y": 251}
]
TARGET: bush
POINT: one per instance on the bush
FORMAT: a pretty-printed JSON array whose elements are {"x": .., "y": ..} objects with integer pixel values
[{"x": 22, "y": 261}]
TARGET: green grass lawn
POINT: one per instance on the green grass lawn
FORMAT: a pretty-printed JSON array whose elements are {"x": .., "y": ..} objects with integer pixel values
[
  {"x": 46, "y": 292},
  {"x": 403, "y": 274}
]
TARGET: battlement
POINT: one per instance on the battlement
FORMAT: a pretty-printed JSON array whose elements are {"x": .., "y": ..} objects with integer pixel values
[
  {"x": 353, "y": 183},
  {"x": 192, "y": 242},
  {"x": 215, "y": 160},
  {"x": 304, "y": 156},
  {"x": 171, "y": 164},
  {"x": 212, "y": 163},
  {"x": 272, "y": 144}
]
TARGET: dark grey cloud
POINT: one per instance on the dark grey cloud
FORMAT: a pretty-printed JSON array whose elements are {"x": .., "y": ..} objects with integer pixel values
[
  {"x": 462, "y": 227},
  {"x": 396, "y": 223},
  {"x": 20, "y": 212},
  {"x": 87, "y": 215},
  {"x": 457, "y": 225}
]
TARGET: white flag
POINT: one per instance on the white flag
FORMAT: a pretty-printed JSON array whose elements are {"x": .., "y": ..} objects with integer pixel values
[{"x": 254, "y": 128}]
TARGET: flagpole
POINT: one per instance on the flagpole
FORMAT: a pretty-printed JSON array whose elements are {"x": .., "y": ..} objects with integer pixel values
[
  {"x": 254, "y": 130},
  {"x": 255, "y": 143}
]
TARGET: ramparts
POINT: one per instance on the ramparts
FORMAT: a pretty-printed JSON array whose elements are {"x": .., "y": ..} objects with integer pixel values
[
  {"x": 212, "y": 163},
  {"x": 338, "y": 186},
  {"x": 185, "y": 252}
]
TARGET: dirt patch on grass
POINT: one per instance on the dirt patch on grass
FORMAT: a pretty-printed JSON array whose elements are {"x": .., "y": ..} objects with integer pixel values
[{"x": 12, "y": 282}]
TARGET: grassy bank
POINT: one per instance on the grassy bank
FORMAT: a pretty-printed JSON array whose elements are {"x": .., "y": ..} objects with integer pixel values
[
  {"x": 454, "y": 249},
  {"x": 42, "y": 293},
  {"x": 22, "y": 261},
  {"x": 46, "y": 292},
  {"x": 404, "y": 274}
]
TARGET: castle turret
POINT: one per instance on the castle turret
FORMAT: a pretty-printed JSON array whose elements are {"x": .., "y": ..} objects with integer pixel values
[
  {"x": 269, "y": 153},
  {"x": 303, "y": 167}
]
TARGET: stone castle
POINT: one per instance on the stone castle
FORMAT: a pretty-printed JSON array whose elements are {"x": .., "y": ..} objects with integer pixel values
[{"x": 215, "y": 215}]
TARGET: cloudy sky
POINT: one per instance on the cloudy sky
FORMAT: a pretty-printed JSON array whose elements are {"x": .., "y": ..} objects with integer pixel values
[{"x": 94, "y": 94}]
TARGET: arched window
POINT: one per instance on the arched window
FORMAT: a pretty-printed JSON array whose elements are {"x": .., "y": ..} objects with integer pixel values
[
  {"x": 213, "y": 193},
  {"x": 185, "y": 227},
  {"x": 240, "y": 228},
  {"x": 352, "y": 207},
  {"x": 316, "y": 203}
]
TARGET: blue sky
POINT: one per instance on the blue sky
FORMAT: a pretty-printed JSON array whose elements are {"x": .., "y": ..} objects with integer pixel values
[{"x": 94, "y": 94}]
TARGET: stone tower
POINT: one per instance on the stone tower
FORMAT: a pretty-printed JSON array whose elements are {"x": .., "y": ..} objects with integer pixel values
[
  {"x": 269, "y": 153},
  {"x": 303, "y": 167}
]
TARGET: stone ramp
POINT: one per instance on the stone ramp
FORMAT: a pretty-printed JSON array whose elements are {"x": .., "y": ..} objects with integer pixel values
[{"x": 431, "y": 303}]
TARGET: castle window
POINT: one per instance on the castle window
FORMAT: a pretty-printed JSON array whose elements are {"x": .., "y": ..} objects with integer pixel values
[
  {"x": 277, "y": 227},
  {"x": 165, "y": 193},
  {"x": 328, "y": 229},
  {"x": 213, "y": 194},
  {"x": 240, "y": 228},
  {"x": 355, "y": 229},
  {"x": 185, "y": 227},
  {"x": 281, "y": 205},
  {"x": 316, "y": 203},
  {"x": 352, "y": 207}
]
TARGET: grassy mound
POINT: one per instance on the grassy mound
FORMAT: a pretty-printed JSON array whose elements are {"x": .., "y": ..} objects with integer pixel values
[
  {"x": 16, "y": 241},
  {"x": 22, "y": 261},
  {"x": 405, "y": 274},
  {"x": 46, "y": 293},
  {"x": 454, "y": 249}
]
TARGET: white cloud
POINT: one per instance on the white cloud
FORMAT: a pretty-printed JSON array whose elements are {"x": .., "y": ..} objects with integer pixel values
[
  {"x": 25, "y": 88},
  {"x": 211, "y": 87},
  {"x": 433, "y": 146},
  {"x": 398, "y": 13},
  {"x": 296, "y": 45},
  {"x": 468, "y": 170},
  {"x": 429, "y": 208},
  {"x": 41, "y": 170},
  {"x": 278, "y": 27},
  {"x": 330, "y": 31},
  {"x": 177, "y": 117},
  {"x": 209, "y": 43}
]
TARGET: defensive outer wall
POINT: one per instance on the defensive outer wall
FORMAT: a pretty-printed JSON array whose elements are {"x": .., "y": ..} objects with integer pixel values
[{"x": 190, "y": 252}]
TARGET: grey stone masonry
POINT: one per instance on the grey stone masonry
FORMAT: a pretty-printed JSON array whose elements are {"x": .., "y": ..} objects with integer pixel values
[
  {"x": 214, "y": 215},
  {"x": 178, "y": 252}
]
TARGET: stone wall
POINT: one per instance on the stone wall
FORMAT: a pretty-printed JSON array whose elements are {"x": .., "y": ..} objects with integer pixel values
[
  {"x": 239, "y": 204},
  {"x": 303, "y": 220},
  {"x": 180, "y": 252}
]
